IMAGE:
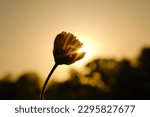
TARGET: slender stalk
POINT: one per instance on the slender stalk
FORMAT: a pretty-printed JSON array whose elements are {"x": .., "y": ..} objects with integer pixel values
[{"x": 46, "y": 81}]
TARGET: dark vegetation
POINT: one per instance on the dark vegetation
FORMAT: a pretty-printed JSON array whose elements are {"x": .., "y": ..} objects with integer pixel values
[{"x": 102, "y": 79}]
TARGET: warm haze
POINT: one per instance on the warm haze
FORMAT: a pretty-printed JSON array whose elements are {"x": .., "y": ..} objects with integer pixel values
[{"x": 108, "y": 28}]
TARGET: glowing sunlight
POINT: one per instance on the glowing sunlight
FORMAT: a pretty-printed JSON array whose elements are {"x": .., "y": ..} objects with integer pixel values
[
  {"x": 84, "y": 49},
  {"x": 90, "y": 47}
]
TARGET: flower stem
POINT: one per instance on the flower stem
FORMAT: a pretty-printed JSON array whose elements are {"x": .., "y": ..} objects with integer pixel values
[{"x": 46, "y": 81}]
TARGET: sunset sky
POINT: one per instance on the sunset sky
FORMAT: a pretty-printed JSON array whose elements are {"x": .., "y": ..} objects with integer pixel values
[{"x": 109, "y": 28}]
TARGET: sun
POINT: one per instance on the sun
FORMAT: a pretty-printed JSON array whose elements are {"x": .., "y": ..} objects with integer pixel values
[
  {"x": 91, "y": 48},
  {"x": 83, "y": 49}
]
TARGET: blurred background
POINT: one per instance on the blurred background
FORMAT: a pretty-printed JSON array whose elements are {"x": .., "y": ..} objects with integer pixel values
[{"x": 116, "y": 39}]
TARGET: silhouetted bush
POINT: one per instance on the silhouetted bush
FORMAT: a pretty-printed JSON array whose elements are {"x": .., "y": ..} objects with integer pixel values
[{"x": 103, "y": 79}]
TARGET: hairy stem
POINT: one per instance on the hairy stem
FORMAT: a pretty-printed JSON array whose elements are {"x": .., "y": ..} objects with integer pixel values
[{"x": 46, "y": 81}]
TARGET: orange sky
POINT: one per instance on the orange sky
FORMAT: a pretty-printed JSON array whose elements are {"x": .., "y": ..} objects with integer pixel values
[{"x": 110, "y": 28}]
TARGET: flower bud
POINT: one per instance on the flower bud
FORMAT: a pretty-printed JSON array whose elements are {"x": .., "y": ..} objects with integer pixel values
[{"x": 66, "y": 48}]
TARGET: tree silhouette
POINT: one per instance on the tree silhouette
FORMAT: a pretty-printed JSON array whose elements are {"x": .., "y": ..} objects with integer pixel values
[{"x": 104, "y": 78}]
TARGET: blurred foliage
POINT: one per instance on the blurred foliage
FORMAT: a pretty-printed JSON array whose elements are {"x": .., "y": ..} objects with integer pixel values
[{"x": 100, "y": 79}]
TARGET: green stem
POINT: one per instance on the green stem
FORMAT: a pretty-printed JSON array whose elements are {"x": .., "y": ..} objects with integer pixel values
[{"x": 46, "y": 81}]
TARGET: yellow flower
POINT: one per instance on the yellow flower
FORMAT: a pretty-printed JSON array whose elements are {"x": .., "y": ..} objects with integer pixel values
[
  {"x": 65, "y": 51},
  {"x": 66, "y": 48}
]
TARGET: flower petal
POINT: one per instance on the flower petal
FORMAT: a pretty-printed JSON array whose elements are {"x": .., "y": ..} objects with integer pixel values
[{"x": 65, "y": 49}]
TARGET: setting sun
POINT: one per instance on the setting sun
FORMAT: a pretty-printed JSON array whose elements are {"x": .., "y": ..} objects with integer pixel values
[
  {"x": 83, "y": 49},
  {"x": 89, "y": 46}
]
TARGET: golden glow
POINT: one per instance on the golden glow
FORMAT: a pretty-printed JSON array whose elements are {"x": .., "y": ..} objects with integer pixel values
[
  {"x": 83, "y": 49},
  {"x": 90, "y": 47}
]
